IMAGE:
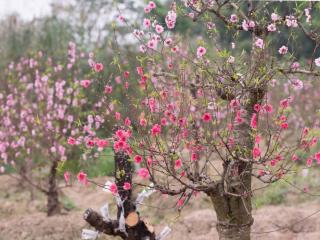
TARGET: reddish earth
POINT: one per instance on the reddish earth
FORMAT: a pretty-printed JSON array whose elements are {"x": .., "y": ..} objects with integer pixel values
[{"x": 26, "y": 220}]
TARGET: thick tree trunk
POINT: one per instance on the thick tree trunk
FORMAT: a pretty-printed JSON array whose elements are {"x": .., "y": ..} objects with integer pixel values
[
  {"x": 234, "y": 218},
  {"x": 232, "y": 200},
  {"x": 53, "y": 206}
]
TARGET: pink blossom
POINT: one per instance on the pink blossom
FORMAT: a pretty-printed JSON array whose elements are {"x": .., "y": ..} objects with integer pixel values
[
  {"x": 140, "y": 71},
  {"x": 147, "y": 9},
  {"x": 313, "y": 141},
  {"x": 137, "y": 159},
  {"x": 294, "y": 157},
  {"x": 121, "y": 18},
  {"x": 67, "y": 177},
  {"x": 143, "y": 173},
  {"x": 146, "y": 22},
  {"x": 275, "y": 17},
  {"x": 90, "y": 143},
  {"x": 257, "y": 139},
  {"x": 238, "y": 118},
  {"x": 127, "y": 122},
  {"x": 171, "y": 19},
  {"x": 194, "y": 156},
  {"x": 98, "y": 67},
  {"x": 234, "y": 103},
  {"x": 283, "y": 118},
  {"x": 142, "y": 49},
  {"x": 309, "y": 162},
  {"x": 231, "y": 141},
  {"x": 143, "y": 122},
  {"x": 295, "y": 65},
  {"x": 168, "y": 42},
  {"x": 82, "y": 178},
  {"x": 210, "y": 25},
  {"x": 272, "y": 27},
  {"x": 108, "y": 89},
  {"x": 159, "y": 29},
  {"x": 85, "y": 83},
  {"x": 261, "y": 172},
  {"x": 113, "y": 188},
  {"x": 178, "y": 164},
  {"x": 245, "y": 25},
  {"x": 257, "y": 107},
  {"x": 297, "y": 84},
  {"x": 305, "y": 131},
  {"x": 253, "y": 122},
  {"x": 156, "y": 130},
  {"x": 284, "y": 125},
  {"x": 175, "y": 49},
  {"x": 259, "y": 43},
  {"x": 284, "y": 103},
  {"x": 256, "y": 152},
  {"x": 233, "y": 18},
  {"x": 206, "y": 117},
  {"x": 283, "y": 50},
  {"x": 117, "y": 116},
  {"x": 201, "y": 51},
  {"x": 317, "y": 157},
  {"x": 71, "y": 141},
  {"x": 317, "y": 62},
  {"x": 268, "y": 108},
  {"x": 126, "y": 74},
  {"x": 291, "y": 21},
  {"x": 152, "y": 5},
  {"x": 127, "y": 186},
  {"x": 252, "y": 24},
  {"x": 152, "y": 44},
  {"x": 163, "y": 121}
]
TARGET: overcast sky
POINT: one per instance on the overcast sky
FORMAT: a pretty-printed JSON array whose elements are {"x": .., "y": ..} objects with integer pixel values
[{"x": 27, "y": 9}]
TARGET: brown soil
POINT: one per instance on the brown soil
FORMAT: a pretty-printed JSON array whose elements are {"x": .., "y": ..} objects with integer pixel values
[{"x": 23, "y": 219}]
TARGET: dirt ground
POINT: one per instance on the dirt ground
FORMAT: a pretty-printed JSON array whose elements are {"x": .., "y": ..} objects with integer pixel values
[{"x": 23, "y": 219}]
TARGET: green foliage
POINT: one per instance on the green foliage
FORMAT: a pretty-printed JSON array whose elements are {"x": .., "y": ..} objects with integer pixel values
[
  {"x": 103, "y": 165},
  {"x": 290, "y": 189},
  {"x": 275, "y": 194},
  {"x": 95, "y": 167},
  {"x": 68, "y": 204}
]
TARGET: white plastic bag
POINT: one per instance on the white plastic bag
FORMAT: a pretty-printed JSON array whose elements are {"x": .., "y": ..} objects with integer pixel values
[
  {"x": 105, "y": 212},
  {"x": 89, "y": 234},
  {"x": 164, "y": 233},
  {"x": 144, "y": 194}
]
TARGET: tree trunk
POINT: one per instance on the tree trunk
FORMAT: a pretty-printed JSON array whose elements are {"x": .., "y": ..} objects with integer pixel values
[
  {"x": 53, "y": 206},
  {"x": 234, "y": 218},
  {"x": 232, "y": 199},
  {"x": 136, "y": 228}
]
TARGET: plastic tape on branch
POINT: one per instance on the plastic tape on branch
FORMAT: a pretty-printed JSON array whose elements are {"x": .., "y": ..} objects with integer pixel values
[
  {"x": 122, "y": 220},
  {"x": 164, "y": 233},
  {"x": 89, "y": 234},
  {"x": 144, "y": 194},
  {"x": 105, "y": 212}
]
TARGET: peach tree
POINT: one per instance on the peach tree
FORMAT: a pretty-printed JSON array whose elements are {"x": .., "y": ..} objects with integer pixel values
[{"x": 206, "y": 116}]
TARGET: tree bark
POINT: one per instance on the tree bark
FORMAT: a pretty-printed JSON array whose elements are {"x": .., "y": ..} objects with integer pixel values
[
  {"x": 136, "y": 231},
  {"x": 53, "y": 205},
  {"x": 232, "y": 198},
  {"x": 234, "y": 218}
]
